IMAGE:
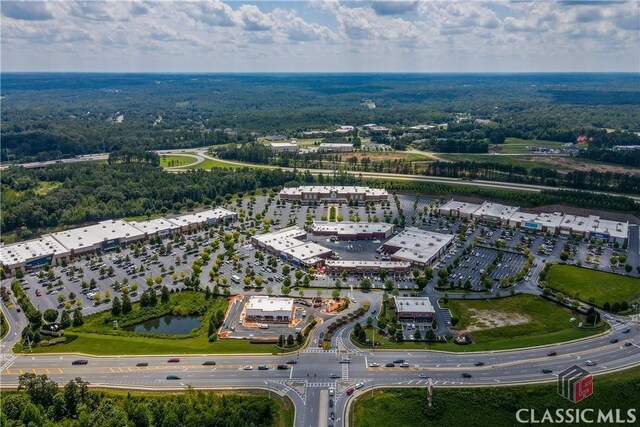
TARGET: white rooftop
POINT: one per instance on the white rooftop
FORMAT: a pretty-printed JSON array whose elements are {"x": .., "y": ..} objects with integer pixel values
[
  {"x": 282, "y": 235},
  {"x": 612, "y": 228},
  {"x": 550, "y": 219},
  {"x": 304, "y": 251},
  {"x": 153, "y": 226},
  {"x": 84, "y": 237},
  {"x": 413, "y": 305},
  {"x": 462, "y": 207},
  {"x": 31, "y": 249},
  {"x": 575, "y": 223},
  {"x": 263, "y": 303},
  {"x": 200, "y": 217},
  {"x": 325, "y": 189},
  {"x": 349, "y": 227},
  {"x": 524, "y": 217},
  {"x": 495, "y": 210},
  {"x": 336, "y": 144},
  {"x": 284, "y": 144},
  {"x": 418, "y": 245}
]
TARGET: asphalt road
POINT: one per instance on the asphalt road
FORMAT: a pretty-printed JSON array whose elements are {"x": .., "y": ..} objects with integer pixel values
[{"x": 305, "y": 381}]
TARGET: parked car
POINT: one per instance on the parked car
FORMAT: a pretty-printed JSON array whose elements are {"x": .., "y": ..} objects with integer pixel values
[
  {"x": 248, "y": 368},
  {"x": 399, "y": 361},
  {"x": 404, "y": 365},
  {"x": 390, "y": 365},
  {"x": 332, "y": 391},
  {"x": 331, "y": 403},
  {"x": 373, "y": 365},
  {"x": 263, "y": 368}
]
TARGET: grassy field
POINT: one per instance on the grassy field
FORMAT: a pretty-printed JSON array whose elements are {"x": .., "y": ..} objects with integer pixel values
[
  {"x": 207, "y": 164},
  {"x": 544, "y": 322},
  {"x": 591, "y": 286},
  {"x": 495, "y": 406},
  {"x": 97, "y": 337},
  {"x": 170, "y": 161},
  {"x": 524, "y": 161},
  {"x": 518, "y": 146}
]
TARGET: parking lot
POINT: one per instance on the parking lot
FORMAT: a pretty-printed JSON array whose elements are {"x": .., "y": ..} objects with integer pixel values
[{"x": 91, "y": 281}]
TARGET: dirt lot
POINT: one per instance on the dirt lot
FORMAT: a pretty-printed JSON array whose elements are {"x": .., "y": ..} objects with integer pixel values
[
  {"x": 577, "y": 164},
  {"x": 488, "y": 319},
  {"x": 389, "y": 155}
]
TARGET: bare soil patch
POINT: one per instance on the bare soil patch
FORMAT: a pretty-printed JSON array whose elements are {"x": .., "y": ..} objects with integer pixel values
[{"x": 488, "y": 319}]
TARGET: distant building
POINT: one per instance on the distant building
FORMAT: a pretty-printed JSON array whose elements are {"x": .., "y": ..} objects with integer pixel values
[
  {"x": 333, "y": 193},
  {"x": 459, "y": 209},
  {"x": 494, "y": 212},
  {"x": 410, "y": 309},
  {"x": 289, "y": 244},
  {"x": 419, "y": 247},
  {"x": 32, "y": 254},
  {"x": 315, "y": 134},
  {"x": 327, "y": 147},
  {"x": 269, "y": 309},
  {"x": 284, "y": 147},
  {"x": 392, "y": 268},
  {"x": 347, "y": 230},
  {"x": 275, "y": 137},
  {"x": 344, "y": 130},
  {"x": 98, "y": 238}
]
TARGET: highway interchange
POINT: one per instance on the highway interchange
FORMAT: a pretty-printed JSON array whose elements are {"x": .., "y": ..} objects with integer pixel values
[{"x": 306, "y": 381}]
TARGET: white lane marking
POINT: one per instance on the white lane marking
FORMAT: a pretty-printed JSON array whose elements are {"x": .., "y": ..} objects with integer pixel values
[{"x": 291, "y": 373}]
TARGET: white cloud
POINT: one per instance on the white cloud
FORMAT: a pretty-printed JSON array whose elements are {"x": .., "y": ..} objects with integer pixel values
[{"x": 320, "y": 36}]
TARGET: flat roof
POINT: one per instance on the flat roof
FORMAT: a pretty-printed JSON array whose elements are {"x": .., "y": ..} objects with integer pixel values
[
  {"x": 284, "y": 234},
  {"x": 28, "y": 250},
  {"x": 326, "y": 189},
  {"x": 418, "y": 245},
  {"x": 284, "y": 144},
  {"x": 367, "y": 263},
  {"x": 200, "y": 217},
  {"x": 154, "y": 225},
  {"x": 305, "y": 250},
  {"x": 524, "y": 217},
  {"x": 84, "y": 237},
  {"x": 606, "y": 226},
  {"x": 462, "y": 207},
  {"x": 575, "y": 223},
  {"x": 550, "y": 219},
  {"x": 335, "y": 144},
  {"x": 262, "y": 303},
  {"x": 350, "y": 227},
  {"x": 496, "y": 210},
  {"x": 413, "y": 305}
]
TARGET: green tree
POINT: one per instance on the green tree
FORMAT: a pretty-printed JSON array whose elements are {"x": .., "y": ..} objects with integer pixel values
[
  {"x": 77, "y": 318},
  {"x": 65, "y": 320},
  {"x": 126, "y": 304},
  {"x": 116, "y": 307},
  {"x": 164, "y": 295},
  {"x": 50, "y": 315}
]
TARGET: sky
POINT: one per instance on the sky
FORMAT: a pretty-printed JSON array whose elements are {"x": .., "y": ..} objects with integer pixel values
[{"x": 320, "y": 36}]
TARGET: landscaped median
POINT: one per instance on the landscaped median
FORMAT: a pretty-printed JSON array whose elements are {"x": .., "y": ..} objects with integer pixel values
[
  {"x": 500, "y": 324},
  {"x": 97, "y": 335},
  {"x": 493, "y": 406}
]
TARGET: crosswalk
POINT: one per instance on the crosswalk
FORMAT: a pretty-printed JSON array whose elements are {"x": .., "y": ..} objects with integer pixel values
[
  {"x": 322, "y": 385},
  {"x": 6, "y": 361},
  {"x": 319, "y": 350},
  {"x": 345, "y": 372}
]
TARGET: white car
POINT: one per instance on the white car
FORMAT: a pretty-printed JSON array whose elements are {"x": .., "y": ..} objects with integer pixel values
[
  {"x": 373, "y": 365},
  {"x": 248, "y": 368},
  {"x": 591, "y": 363},
  {"x": 359, "y": 386}
]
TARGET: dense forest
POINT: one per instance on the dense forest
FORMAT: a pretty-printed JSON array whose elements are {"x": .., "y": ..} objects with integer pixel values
[
  {"x": 40, "y": 401},
  {"x": 591, "y": 180},
  {"x": 94, "y": 192},
  {"x": 47, "y": 116}
]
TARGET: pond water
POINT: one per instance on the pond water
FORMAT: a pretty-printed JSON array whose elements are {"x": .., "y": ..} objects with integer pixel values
[{"x": 169, "y": 324}]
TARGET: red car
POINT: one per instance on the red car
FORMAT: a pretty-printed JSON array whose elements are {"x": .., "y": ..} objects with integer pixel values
[
  {"x": 350, "y": 391},
  {"x": 173, "y": 360}
]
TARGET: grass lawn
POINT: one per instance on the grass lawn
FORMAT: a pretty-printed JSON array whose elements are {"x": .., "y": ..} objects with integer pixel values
[
  {"x": 517, "y": 145},
  {"x": 96, "y": 336},
  {"x": 490, "y": 406},
  {"x": 170, "y": 161},
  {"x": 207, "y": 164},
  {"x": 596, "y": 287},
  {"x": 4, "y": 326},
  {"x": 548, "y": 323}
]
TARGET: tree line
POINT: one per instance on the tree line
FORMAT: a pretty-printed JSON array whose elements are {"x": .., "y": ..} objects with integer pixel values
[{"x": 41, "y": 401}]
